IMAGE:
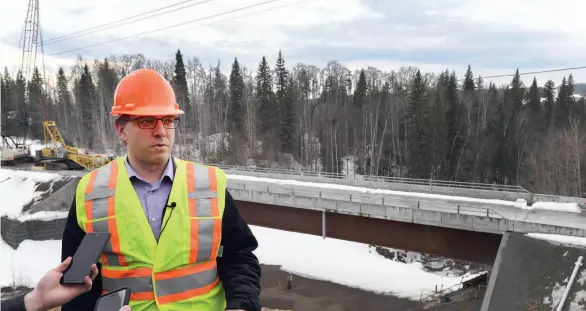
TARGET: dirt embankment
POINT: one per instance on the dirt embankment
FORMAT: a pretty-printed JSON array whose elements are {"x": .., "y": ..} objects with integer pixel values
[{"x": 313, "y": 295}]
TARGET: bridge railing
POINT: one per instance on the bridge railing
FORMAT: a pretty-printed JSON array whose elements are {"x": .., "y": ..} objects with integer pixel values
[
  {"x": 464, "y": 189},
  {"x": 353, "y": 202},
  {"x": 454, "y": 188},
  {"x": 387, "y": 179}
]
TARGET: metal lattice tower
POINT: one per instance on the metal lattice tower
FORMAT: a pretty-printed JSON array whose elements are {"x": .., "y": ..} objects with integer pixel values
[{"x": 30, "y": 39}]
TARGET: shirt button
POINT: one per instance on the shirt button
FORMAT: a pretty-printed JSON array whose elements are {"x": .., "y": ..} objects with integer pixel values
[{"x": 153, "y": 219}]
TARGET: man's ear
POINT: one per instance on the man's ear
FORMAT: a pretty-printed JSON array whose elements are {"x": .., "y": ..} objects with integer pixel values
[{"x": 121, "y": 131}]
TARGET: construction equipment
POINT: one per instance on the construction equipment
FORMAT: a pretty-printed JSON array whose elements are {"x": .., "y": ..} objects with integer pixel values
[
  {"x": 13, "y": 153},
  {"x": 57, "y": 155}
]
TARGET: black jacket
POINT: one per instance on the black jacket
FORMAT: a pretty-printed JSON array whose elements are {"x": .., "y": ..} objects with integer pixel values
[
  {"x": 15, "y": 303},
  {"x": 238, "y": 267}
]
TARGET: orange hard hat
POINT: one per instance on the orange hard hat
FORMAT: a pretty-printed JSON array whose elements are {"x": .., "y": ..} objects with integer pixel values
[{"x": 144, "y": 92}]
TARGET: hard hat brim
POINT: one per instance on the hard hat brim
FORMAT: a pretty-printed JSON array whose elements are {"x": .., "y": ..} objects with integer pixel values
[{"x": 149, "y": 112}]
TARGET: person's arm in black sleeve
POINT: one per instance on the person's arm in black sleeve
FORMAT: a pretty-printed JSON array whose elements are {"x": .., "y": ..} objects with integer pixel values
[
  {"x": 15, "y": 303},
  {"x": 72, "y": 237},
  {"x": 238, "y": 267}
]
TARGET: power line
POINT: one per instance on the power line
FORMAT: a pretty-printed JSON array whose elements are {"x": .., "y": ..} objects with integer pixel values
[
  {"x": 536, "y": 72},
  {"x": 165, "y": 28},
  {"x": 123, "y": 20},
  {"x": 245, "y": 15}
]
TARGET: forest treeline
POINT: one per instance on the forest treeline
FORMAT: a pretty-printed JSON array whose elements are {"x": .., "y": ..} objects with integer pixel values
[{"x": 404, "y": 123}]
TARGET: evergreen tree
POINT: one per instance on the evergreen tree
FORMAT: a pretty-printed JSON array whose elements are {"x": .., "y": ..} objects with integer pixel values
[
  {"x": 455, "y": 125},
  {"x": 9, "y": 126},
  {"x": 284, "y": 97},
  {"x": 179, "y": 83},
  {"x": 534, "y": 97},
  {"x": 281, "y": 79},
  {"x": 267, "y": 111},
  {"x": 469, "y": 80},
  {"x": 549, "y": 103},
  {"x": 562, "y": 106},
  {"x": 37, "y": 105},
  {"x": 86, "y": 102},
  {"x": 21, "y": 105},
  {"x": 419, "y": 162},
  {"x": 439, "y": 132},
  {"x": 361, "y": 90},
  {"x": 64, "y": 99},
  {"x": 237, "y": 109},
  {"x": 287, "y": 120}
]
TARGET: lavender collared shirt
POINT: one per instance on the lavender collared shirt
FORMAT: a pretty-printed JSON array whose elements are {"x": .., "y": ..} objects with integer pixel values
[{"x": 153, "y": 197}]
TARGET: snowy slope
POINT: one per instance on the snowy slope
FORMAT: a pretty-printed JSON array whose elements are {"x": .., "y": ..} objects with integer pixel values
[
  {"x": 18, "y": 188},
  {"x": 347, "y": 263}
]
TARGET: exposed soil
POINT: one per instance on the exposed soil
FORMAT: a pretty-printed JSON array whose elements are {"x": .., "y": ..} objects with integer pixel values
[{"x": 313, "y": 295}]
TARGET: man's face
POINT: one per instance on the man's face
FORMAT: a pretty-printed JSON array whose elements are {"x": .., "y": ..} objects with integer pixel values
[{"x": 149, "y": 139}]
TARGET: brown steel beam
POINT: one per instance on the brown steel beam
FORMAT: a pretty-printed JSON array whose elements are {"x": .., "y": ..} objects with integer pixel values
[{"x": 446, "y": 242}]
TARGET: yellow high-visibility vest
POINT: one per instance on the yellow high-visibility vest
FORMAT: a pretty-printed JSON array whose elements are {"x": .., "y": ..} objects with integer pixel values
[{"x": 177, "y": 273}]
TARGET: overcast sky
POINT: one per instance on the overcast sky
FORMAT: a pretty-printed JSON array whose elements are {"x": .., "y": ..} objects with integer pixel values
[{"x": 493, "y": 36}]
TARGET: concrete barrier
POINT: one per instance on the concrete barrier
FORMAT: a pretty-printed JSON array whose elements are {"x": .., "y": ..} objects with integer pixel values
[{"x": 532, "y": 274}]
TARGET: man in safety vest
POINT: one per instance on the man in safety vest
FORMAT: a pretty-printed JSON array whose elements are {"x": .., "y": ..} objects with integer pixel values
[{"x": 177, "y": 239}]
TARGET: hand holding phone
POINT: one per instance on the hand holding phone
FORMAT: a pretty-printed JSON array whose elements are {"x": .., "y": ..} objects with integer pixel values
[
  {"x": 114, "y": 301},
  {"x": 87, "y": 254}
]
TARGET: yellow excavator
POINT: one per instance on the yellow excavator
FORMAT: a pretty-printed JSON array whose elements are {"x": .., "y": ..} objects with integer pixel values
[{"x": 57, "y": 155}]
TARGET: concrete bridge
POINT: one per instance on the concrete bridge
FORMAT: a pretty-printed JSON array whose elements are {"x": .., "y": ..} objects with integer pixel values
[{"x": 451, "y": 226}]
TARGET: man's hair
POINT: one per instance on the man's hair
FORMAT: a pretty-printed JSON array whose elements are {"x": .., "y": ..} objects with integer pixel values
[{"x": 122, "y": 120}]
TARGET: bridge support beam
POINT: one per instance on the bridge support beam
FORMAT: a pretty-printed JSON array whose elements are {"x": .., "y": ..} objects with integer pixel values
[{"x": 452, "y": 243}]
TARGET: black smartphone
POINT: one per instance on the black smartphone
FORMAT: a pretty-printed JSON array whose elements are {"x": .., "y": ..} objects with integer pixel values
[
  {"x": 88, "y": 253},
  {"x": 113, "y": 301}
]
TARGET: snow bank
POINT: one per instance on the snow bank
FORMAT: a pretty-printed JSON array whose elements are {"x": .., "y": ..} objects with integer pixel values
[
  {"x": 347, "y": 263},
  {"x": 43, "y": 215},
  {"x": 558, "y": 207},
  {"x": 17, "y": 188},
  {"x": 565, "y": 239},
  {"x": 520, "y": 203},
  {"x": 550, "y": 206}
]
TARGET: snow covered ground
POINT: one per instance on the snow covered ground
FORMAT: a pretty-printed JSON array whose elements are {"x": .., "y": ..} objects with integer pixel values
[{"x": 347, "y": 263}]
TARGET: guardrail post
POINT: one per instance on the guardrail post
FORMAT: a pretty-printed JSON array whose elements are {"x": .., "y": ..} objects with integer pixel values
[
  {"x": 323, "y": 224},
  {"x": 383, "y": 201},
  {"x": 320, "y": 194},
  {"x": 458, "y": 209},
  {"x": 350, "y": 197},
  {"x": 487, "y": 212}
]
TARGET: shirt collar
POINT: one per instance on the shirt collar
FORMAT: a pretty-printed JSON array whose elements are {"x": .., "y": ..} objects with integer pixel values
[{"x": 168, "y": 172}]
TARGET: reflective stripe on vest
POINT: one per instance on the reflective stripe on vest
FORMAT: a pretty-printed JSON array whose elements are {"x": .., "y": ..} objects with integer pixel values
[
  {"x": 100, "y": 203},
  {"x": 203, "y": 202},
  {"x": 205, "y": 223},
  {"x": 171, "y": 286}
]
